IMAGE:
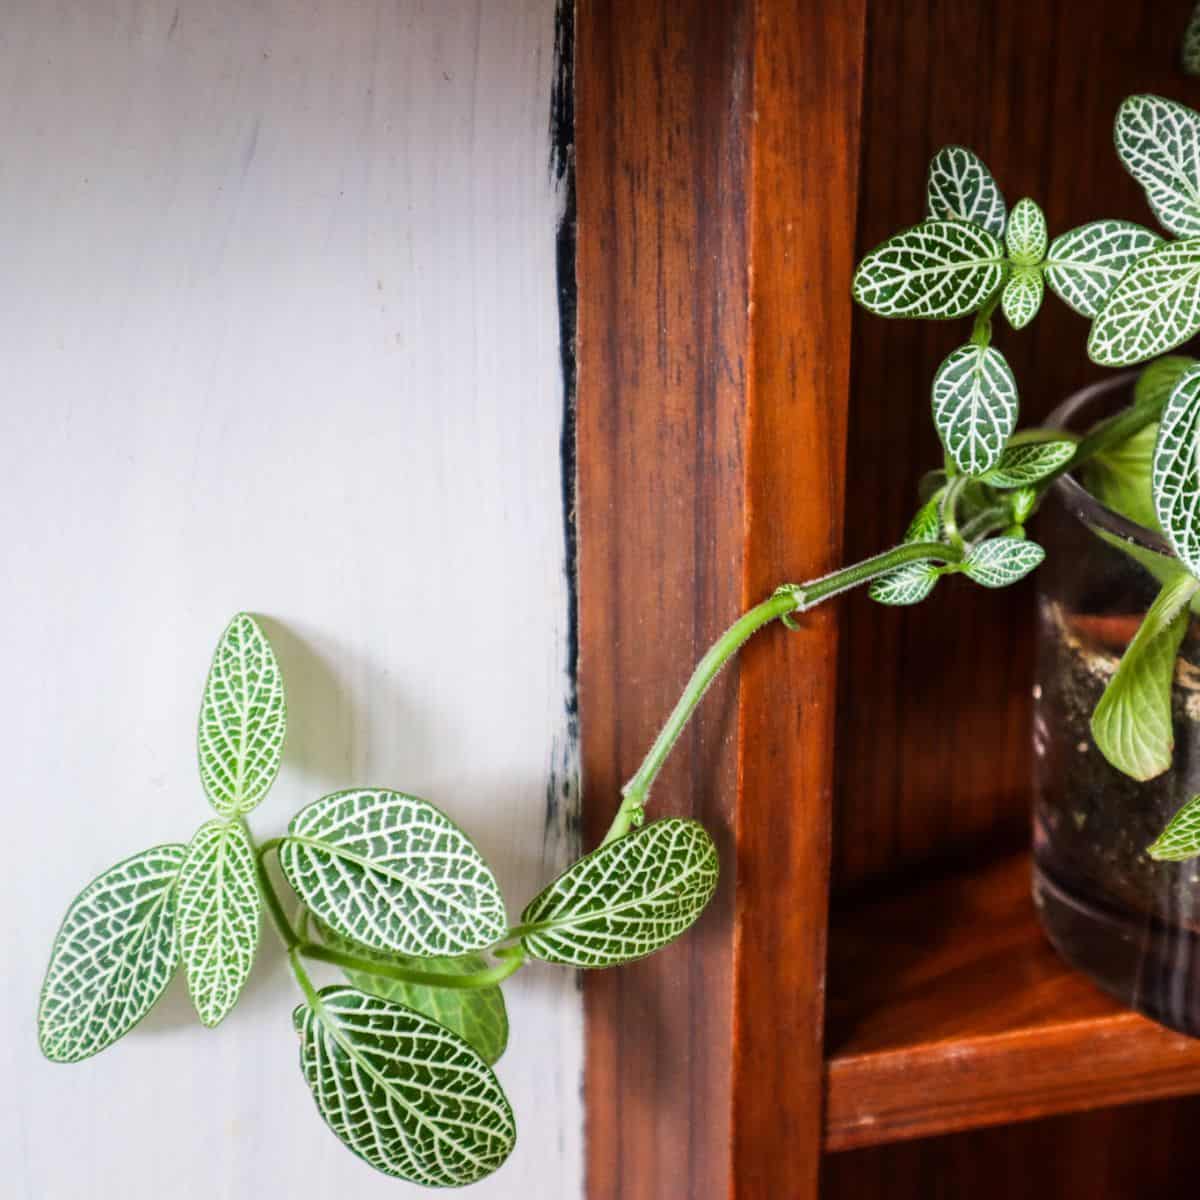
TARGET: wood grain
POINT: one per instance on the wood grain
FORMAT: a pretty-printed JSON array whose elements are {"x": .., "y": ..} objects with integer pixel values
[
  {"x": 1134, "y": 1153},
  {"x": 661, "y": 112},
  {"x": 949, "y": 1010},
  {"x": 933, "y": 728},
  {"x": 807, "y": 84},
  {"x": 716, "y": 164}
]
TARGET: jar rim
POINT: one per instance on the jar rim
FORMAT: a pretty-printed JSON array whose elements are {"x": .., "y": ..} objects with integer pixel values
[{"x": 1077, "y": 499}]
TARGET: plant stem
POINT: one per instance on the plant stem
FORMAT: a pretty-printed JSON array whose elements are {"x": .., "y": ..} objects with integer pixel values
[
  {"x": 512, "y": 960},
  {"x": 981, "y": 331},
  {"x": 306, "y": 984},
  {"x": 270, "y": 899},
  {"x": 954, "y": 489},
  {"x": 1108, "y": 433},
  {"x": 787, "y": 599}
]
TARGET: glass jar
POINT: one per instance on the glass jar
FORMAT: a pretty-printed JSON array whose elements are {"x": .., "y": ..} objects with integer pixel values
[{"x": 1129, "y": 923}]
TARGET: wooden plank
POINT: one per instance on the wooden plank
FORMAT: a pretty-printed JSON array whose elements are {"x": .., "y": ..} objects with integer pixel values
[
  {"x": 950, "y": 1011},
  {"x": 661, "y": 112},
  {"x": 807, "y": 85},
  {"x": 1141, "y": 1150},
  {"x": 687, "y": 365}
]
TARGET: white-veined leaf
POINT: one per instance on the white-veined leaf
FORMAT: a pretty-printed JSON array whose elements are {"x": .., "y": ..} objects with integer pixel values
[
  {"x": 1158, "y": 140},
  {"x": 1132, "y": 723},
  {"x": 974, "y": 406},
  {"x": 940, "y": 269},
  {"x": 926, "y": 526},
  {"x": 1023, "y": 501},
  {"x": 1175, "y": 474},
  {"x": 1029, "y": 462},
  {"x": 113, "y": 956},
  {"x": 393, "y": 872},
  {"x": 961, "y": 188},
  {"x": 1154, "y": 307},
  {"x": 1022, "y": 296},
  {"x": 625, "y": 900},
  {"x": 477, "y": 1014},
  {"x": 999, "y": 561},
  {"x": 242, "y": 719},
  {"x": 1181, "y": 838},
  {"x": 1190, "y": 55},
  {"x": 912, "y": 582},
  {"x": 218, "y": 917},
  {"x": 407, "y": 1095},
  {"x": 909, "y": 584},
  {"x": 1158, "y": 379},
  {"x": 1083, "y": 265},
  {"x": 1025, "y": 235}
]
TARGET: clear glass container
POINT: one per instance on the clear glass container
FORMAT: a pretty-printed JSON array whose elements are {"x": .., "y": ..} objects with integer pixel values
[{"x": 1131, "y": 924}]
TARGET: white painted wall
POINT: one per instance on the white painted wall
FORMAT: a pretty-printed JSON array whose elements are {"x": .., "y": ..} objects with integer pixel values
[{"x": 277, "y": 332}]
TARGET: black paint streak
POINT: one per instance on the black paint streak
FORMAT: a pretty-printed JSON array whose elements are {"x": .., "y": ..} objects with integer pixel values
[{"x": 562, "y": 783}]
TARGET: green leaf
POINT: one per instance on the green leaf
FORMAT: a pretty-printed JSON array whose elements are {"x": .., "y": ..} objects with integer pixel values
[
  {"x": 1175, "y": 475},
  {"x": 1155, "y": 306},
  {"x": 242, "y": 719},
  {"x": 1025, "y": 236},
  {"x": 909, "y": 584},
  {"x": 1132, "y": 723},
  {"x": 1083, "y": 265},
  {"x": 974, "y": 406},
  {"x": 1190, "y": 54},
  {"x": 1023, "y": 501},
  {"x": 478, "y": 1014},
  {"x": 1181, "y": 838},
  {"x": 926, "y": 526},
  {"x": 1119, "y": 477},
  {"x": 218, "y": 917},
  {"x": 1022, "y": 296},
  {"x": 1000, "y": 561},
  {"x": 961, "y": 188},
  {"x": 407, "y": 1095},
  {"x": 939, "y": 269},
  {"x": 625, "y": 900},
  {"x": 1158, "y": 379},
  {"x": 912, "y": 582},
  {"x": 1028, "y": 462},
  {"x": 393, "y": 872},
  {"x": 113, "y": 957},
  {"x": 1158, "y": 141}
]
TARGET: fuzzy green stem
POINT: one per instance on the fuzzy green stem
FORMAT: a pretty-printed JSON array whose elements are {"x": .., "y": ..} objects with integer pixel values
[
  {"x": 954, "y": 489},
  {"x": 788, "y": 599},
  {"x": 981, "y": 331},
  {"x": 306, "y": 984},
  {"x": 512, "y": 960},
  {"x": 267, "y": 890}
]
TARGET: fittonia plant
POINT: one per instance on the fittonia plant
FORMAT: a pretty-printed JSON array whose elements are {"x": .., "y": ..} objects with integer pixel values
[{"x": 399, "y": 1058}]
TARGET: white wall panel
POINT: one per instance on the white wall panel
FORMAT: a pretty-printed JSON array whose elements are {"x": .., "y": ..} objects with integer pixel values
[{"x": 277, "y": 332}]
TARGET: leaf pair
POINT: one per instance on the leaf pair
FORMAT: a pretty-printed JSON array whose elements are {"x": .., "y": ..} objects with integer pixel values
[
  {"x": 243, "y": 722},
  {"x": 409, "y": 1095},
  {"x": 1156, "y": 304},
  {"x": 123, "y": 936},
  {"x": 392, "y": 873}
]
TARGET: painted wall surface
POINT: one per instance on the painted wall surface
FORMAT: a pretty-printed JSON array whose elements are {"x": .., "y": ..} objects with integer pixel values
[{"x": 278, "y": 331}]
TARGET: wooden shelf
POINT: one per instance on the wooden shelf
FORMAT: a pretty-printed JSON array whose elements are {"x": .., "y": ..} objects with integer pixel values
[{"x": 948, "y": 1010}]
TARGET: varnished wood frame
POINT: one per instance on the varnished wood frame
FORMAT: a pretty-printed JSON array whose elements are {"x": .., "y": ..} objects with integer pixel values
[{"x": 716, "y": 158}]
